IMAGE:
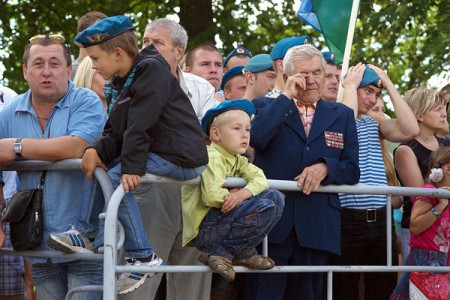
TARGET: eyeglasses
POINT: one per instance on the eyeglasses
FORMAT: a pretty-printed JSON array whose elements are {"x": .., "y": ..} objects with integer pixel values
[{"x": 55, "y": 38}]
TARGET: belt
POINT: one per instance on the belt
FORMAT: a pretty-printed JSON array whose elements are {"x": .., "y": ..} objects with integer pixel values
[{"x": 369, "y": 215}]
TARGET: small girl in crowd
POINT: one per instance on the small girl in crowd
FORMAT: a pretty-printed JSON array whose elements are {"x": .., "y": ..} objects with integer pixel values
[{"x": 430, "y": 233}]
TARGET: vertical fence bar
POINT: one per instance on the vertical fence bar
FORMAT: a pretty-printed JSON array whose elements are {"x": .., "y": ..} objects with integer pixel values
[
  {"x": 389, "y": 230},
  {"x": 110, "y": 247},
  {"x": 330, "y": 285}
]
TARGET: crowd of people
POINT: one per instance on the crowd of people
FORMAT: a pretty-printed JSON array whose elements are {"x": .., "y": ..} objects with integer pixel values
[{"x": 158, "y": 109}]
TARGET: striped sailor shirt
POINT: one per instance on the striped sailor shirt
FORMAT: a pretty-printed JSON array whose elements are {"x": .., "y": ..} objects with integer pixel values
[{"x": 371, "y": 165}]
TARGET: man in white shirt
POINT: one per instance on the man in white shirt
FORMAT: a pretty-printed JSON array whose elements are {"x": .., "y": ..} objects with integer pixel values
[{"x": 161, "y": 203}]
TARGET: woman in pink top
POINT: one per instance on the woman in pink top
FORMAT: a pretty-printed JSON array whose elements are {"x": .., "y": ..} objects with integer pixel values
[{"x": 430, "y": 223}]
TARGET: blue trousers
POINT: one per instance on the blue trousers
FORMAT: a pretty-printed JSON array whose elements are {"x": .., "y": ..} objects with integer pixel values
[
  {"x": 417, "y": 257},
  {"x": 54, "y": 280},
  {"x": 292, "y": 286},
  {"x": 136, "y": 241},
  {"x": 235, "y": 234}
]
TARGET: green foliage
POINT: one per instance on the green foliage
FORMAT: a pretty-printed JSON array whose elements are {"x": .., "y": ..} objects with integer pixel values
[{"x": 410, "y": 39}]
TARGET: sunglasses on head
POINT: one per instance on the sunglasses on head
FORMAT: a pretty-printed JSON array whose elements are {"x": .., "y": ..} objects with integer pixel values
[{"x": 55, "y": 38}]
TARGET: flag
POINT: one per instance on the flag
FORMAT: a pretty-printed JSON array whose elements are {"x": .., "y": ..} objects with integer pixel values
[{"x": 331, "y": 18}]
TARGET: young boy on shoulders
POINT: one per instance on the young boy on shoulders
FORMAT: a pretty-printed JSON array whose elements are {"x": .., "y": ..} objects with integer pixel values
[
  {"x": 152, "y": 128},
  {"x": 227, "y": 224}
]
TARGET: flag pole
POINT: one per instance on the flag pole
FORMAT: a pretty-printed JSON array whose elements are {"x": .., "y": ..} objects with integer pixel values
[{"x": 348, "y": 45}]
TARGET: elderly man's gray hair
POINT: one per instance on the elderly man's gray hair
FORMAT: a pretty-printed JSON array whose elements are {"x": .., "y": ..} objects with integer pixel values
[
  {"x": 177, "y": 33},
  {"x": 301, "y": 52}
]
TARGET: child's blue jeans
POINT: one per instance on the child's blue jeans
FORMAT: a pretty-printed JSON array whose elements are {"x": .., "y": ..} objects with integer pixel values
[
  {"x": 417, "y": 257},
  {"x": 136, "y": 241},
  {"x": 235, "y": 234}
]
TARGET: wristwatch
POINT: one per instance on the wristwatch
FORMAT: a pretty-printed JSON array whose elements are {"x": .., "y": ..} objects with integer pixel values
[{"x": 17, "y": 147}]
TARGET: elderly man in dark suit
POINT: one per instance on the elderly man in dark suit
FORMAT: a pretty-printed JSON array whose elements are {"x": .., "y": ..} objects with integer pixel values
[{"x": 299, "y": 136}]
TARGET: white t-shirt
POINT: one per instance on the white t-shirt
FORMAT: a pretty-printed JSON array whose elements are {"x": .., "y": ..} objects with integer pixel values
[
  {"x": 200, "y": 92},
  {"x": 9, "y": 177}
]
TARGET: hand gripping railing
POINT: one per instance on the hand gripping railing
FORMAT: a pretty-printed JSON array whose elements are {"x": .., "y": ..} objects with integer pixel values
[{"x": 110, "y": 252}]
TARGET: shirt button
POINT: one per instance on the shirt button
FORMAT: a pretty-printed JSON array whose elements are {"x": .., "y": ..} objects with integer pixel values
[
  {"x": 307, "y": 148},
  {"x": 286, "y": 115}
]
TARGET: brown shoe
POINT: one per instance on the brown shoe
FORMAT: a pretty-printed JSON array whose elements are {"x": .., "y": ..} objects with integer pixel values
[
  {"x": 220, "y": 264},
  {"x": 256, "y": 262}
]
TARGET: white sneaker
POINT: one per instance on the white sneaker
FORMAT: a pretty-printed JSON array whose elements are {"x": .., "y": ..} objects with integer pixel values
[
  {"x": 128, "y": 282},
  {"x": 71, "y": 241}
]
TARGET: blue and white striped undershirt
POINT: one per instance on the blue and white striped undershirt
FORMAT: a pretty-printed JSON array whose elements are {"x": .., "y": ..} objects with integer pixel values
[{"x": 371, "y": 165}]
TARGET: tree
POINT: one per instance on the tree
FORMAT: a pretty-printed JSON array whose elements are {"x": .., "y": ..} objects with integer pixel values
[{"x": 409, "y": 39}]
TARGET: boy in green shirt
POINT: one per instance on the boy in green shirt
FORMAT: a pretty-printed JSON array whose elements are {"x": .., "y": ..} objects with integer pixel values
[{"x": 227, "y": 224}]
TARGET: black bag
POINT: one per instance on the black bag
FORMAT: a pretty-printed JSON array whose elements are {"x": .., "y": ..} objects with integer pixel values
[{"x": 24, "y": 214}]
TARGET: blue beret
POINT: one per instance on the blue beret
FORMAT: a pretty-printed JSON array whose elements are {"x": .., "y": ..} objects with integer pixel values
[
  {"x": 259, "y": 63},
  {"x": 224, "y": 106},
  {"x": 329, "y": 57},
  {"x": 234, "y": 71},
  {"x": 237, "y": 51},
  {"x": 280, "y": 48},
  {"x": 103, "y": 30},
  {"x": 370, "y": 77}
]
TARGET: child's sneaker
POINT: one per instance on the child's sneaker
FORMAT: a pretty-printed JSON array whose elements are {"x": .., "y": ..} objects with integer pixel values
[
  {"x": 70, "y": 241},
  {"x": 128, "y": 282}
]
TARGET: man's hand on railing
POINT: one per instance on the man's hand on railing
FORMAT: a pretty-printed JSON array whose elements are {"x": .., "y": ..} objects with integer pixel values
[
  {"x": 311, "y": 177},
  {"x": 90, "y": 161}
]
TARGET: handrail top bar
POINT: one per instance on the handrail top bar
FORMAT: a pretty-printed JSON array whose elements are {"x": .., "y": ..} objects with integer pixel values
[{"x": 34, "y": 165}]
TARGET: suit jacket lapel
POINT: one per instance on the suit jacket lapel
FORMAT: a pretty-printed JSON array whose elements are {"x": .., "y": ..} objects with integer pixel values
[
  {"x": 323, "y": 117},
  {"x": 295, "y": 122}
]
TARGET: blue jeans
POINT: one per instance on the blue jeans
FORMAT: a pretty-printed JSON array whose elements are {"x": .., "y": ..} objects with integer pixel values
[
  {"x": 417, "y": 257},
  {"x": 136, "y": 241},
  {"x": 54, "y": 280},
  {"x": 236, "y": 233}
]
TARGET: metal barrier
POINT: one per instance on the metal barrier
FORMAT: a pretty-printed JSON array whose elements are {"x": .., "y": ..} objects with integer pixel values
[
  {"x": 112, "y": 244},
  {"x": 69, "y": 164}
]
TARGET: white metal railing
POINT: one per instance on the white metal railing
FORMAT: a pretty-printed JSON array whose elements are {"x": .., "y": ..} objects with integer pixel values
[{"x": 114, "y": 233}]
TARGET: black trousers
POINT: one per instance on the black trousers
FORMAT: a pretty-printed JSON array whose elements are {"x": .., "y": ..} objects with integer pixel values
[{"x": 364, "y": 243}]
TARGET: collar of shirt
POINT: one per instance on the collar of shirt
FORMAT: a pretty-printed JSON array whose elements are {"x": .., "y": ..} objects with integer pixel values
[
  {"x": 228, "y": 156},
  {"x": 302, "y": 108},
  {"x": 183, "y": 83}
]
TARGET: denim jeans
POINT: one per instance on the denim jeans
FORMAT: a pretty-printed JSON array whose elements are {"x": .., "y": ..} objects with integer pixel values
[
  {"x": 417, "y": 257},
  {"x": 236, "y": 233},
  {"x": 54, "y": 280},
  {"x": 136, "y": 241}
]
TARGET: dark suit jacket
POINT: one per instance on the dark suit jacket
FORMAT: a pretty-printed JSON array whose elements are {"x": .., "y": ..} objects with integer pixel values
[{"x": 283, "y": 151}]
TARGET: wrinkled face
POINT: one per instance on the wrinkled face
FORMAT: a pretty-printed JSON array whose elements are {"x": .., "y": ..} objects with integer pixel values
[
  {"x": 435, "y": 118},
  {"x": 331, "y": 86},
  {"x": 97, "y": 85},
  {"x": 378, "y": 109},
  {"x": 208, "y": 65},
  {"x": 367, "y": 98},
  {"x": 47, "y": 73},
  {"x": 235, "y": 61},
  {"x": 160, "y": 38},
  {"x": 235, "y": 88},
  {"x": 234, "y": 135},
  {"x": 264, "y": 82},
  {"x": 103, "y": 62},
  {"x": 312, "y": 71}
]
